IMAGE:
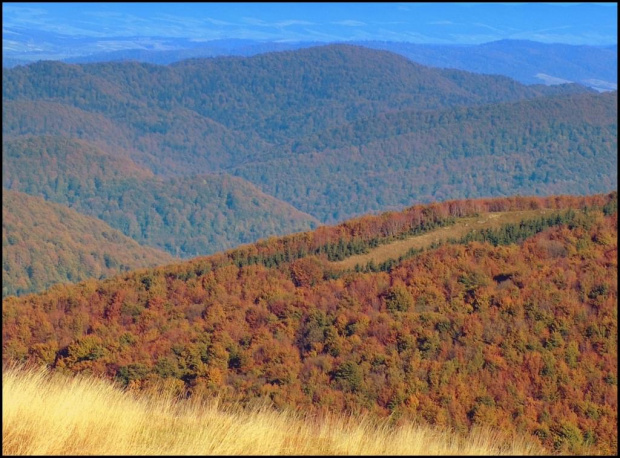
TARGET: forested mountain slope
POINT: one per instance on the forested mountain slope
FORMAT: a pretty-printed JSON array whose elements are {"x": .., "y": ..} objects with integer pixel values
[
  {"x": 545, "y": 145},
  {"x": 335, "y": 131},
  {"x": 512, "y": 328},
  {"x": 185, "y": 216},
  {"x": 274, "y": 97},
  {"x": 44, "y": 243}
]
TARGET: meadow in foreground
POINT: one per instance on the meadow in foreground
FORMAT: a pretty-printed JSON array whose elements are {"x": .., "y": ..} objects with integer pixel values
[{"x": 53, "y": 414}]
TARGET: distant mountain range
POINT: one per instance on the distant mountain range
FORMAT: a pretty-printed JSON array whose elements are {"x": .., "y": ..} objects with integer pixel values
[{"x": 526, "y": 61}]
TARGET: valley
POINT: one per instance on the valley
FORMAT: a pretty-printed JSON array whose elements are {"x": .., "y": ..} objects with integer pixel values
[{"x": 45, "y": 243}]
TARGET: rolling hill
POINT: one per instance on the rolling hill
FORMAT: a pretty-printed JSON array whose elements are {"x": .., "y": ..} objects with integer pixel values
[
  {"x": 262, "y": 101},
  {"x": 45, "y": 243},
  {"x": 526, "y": 61},
  {"x": 510, "y": 326}
]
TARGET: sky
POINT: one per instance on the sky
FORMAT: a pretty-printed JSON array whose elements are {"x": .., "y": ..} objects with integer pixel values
[{"x": 32, "y": 26}]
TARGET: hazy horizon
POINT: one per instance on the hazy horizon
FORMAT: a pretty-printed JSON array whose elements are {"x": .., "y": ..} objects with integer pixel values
[{"x": 61, "y": 30}]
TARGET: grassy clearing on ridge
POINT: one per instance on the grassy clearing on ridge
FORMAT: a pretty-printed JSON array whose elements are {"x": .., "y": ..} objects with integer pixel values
[{"x": 459, "y": 229}]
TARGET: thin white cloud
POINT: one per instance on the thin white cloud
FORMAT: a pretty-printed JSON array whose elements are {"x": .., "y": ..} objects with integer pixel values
[
  {"x": 216, "y": 21},
  {"x": 472, "y": 39},
  {"x": 292, "y": 22},
  {"x": 181, "y": 20},
  {"x": 494, "y": 29},
  {"x": 24, "y": 17},
  {"x": 409, "y": 36},
  {"x": 105, "y": 14},
  {"x": 441, "y": 23},
  {"x": 279, "y": 24},
  {"x": 578, "y": 3},
  {"x": 322, "y": 36},
  {"x": 350, "y": 23},
  {"x": 10, "y": 32}
]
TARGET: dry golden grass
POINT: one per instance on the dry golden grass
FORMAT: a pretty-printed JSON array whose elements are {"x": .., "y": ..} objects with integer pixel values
[
  {"x": 463, "y": 226},
  {"x": 51, "y": 414}
]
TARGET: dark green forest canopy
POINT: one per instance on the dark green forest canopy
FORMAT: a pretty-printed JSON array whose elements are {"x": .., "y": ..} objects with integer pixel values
[{"x": 540, "y": 146}]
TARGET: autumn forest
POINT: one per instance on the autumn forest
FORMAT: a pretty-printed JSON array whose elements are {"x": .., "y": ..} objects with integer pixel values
[{"x": 333, "y": 230}]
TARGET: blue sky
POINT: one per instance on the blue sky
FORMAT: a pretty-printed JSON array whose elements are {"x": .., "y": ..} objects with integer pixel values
[{"x": 444, "y": 23}]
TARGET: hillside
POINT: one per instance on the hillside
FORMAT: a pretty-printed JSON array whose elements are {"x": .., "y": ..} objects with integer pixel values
[
  {"x": 184, "y": 216},
  {"x": 296, "y": 92},
  {"x": 388, "y": 253},
  {"x": 45, "y": 243},
  {"x": 556, "y": 145},
  {"x": 511, "y": 327}
]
